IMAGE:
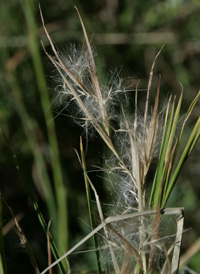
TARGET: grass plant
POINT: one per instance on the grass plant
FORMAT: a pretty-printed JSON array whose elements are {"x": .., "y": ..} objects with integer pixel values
[
  {"x": 139, "y": 140},
  {"x": 130, "y": 234}
]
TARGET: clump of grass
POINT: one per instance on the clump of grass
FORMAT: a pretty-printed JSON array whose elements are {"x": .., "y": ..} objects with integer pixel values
[{"x": 134, "y": 233}]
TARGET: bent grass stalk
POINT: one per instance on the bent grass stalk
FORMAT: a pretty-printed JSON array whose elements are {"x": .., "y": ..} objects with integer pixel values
[{"x": 112, "y": 219}]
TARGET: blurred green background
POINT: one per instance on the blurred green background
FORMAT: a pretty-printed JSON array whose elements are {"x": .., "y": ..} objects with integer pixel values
[{"x": 126, "y": 36}]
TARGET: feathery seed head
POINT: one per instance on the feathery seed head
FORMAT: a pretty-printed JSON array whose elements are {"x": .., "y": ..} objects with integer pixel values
[{"x": 134, "y": 145}]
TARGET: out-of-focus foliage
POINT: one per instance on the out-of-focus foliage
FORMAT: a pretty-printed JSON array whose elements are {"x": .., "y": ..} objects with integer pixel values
[{"x": 126, "y": 36}]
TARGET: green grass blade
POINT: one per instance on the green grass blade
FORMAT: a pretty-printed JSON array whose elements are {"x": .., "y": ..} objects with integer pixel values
[
  {"x": 174, "y": 127},
  {"x": 171, "y": 153},
  {"x": 187, "y": 151},
  {"x": 164, "y": 131},
  {"x": 158, "y": 179},
  {"x": 89, "y": 201},
  {"x": 196, "y": 137},
  {"x": 173, "y": 157},
  {"x": 167, "y": 159},
  {"x": 189, "y": 111}
]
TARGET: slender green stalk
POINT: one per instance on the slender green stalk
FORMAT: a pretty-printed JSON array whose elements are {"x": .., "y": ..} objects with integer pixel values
[
  {"x": 61, "y": 195},
  {"x": 88, "y": 194}
]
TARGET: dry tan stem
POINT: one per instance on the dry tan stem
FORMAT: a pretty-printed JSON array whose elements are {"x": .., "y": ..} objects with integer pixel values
[
  {"x": 177, "y": 247},
  {"x": 152, "y": 134},
  {"x": 95, "y": 78},
  {"x": 149, "y": 86}
]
